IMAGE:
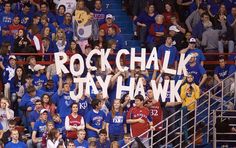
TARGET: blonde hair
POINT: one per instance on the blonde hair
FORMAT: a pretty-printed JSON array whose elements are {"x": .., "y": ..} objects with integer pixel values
[{"x": 63, "y": 36}]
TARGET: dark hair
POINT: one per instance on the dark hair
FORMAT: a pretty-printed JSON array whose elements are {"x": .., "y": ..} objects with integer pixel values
[
  {"x": 95, "y": 103},
  {"x": 127, "y": 135},
  {"x": 221, "y": 57},
  {"x": 11, "y": 122},
  {"x": 139, "y": 97},
  {"x": 7, "y": 2},
  {"x": 49, "y": 102},
  {"x": 44, "y": 3},
  {"x": 205, "y": 13},
  {"x": 62, "y": 6},
  {"x": 30, "y": 89},
  {"x": 74, "y": 104},
  {"x": 103, "y": 131},
  {"x": 16, "y": 79},
  {"x": 92, "y": 143},
  {"x": 52, "y": 134},
  {"x": 38, "y": 101}
]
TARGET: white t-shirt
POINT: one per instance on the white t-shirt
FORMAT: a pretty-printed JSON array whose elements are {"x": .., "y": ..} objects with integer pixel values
[
  {"x": 4, "y": 119},
  {"x": 69, "y": 4}
]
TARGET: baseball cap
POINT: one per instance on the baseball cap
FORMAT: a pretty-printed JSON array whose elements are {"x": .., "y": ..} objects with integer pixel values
[
  {"x": 38, "y": 67},
  {"x": 192, "y": 40},
  {"x": 12, "y": 57},
  {"x": 174, "y": 28},
  {"x": 109, "y": 16},
  {"x": 43, "y": 111}
]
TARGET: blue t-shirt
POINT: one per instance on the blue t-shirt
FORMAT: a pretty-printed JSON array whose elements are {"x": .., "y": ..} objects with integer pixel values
[
  {"x": 199, "y": 54},
  {"x": 106, "y": 144},
  {"x": 197, "y": 71},
  {"x": 222, "y": 73},
  {"x": 25, "y": 19},
  {"x": 15, "y": 145},
  {"x": 6, "y": 18},
  {"x": 28, "y": 101},
  {"x": 174, "y": 54},
  {"x": 50, "y": 16},
  {"x": 116, "y": 124},
  {"x": 15, "y": 87},
  {"x": 121, "y": 143},
  {"x": 68, "y": 31},
  {"x": 33, "y": 116},
  {"x": 40, "y": 128},
  {"x": 39, "y": 81},
  {"x": 84, "y": 107},
  {"x": 95, "y": 120},
  {"x": 232, "y": 69},
  {"x": 1, "y": 128},
  {"x": 84, "y": 144},
  {"x": 100, "y": 16},
  {"x": 60, "y": 19}
]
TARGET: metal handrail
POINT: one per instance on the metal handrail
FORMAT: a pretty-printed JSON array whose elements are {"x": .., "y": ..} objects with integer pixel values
[{"x": 182, "y": 116}]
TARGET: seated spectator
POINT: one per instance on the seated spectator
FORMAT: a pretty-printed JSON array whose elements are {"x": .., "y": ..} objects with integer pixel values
[
  {"x": 47, "y": 47},
  {"x": 156, "y": 33},
  {"x": 21, "y": 43},
  {"x": 67, "y": 27},
  {"x": 34, "y": 115},
  {"x": 6, "y": 17},
  {"x": 28, "y": 82},
  {"x": 46, "y": 32},
  {"x": 39, "y": 129},
  {"x": 222, "y": 71},
  {"x": 99, "y": 13},
  {"x": 73, "y": 49},
  {"x": 116, "y": 122},
  {"x": 15, "y": 140},
  {"x": 191, "y": 49},
  {"x": 15, "y": 27},
  {"x": 39, "y": 78},
  {"x": 70, "y": 6},
  {"x": 176, "y": 35},
  {"x": 54, "y": 138},
  {"x": 80, "y": 141},
  {"x": 112, "y": 35},
  {"x": 60, "y": 43},
  {"x": 144, "y": 21},
  {"x": 59, "y": 124},
  {"x": 102, "y": 141},
  {"x": 73, "y": 122},
  {"x": 198, "y": 29},
  {"x": 215, "y": 18},
  {"x": 44, "y": 10},
  {"x": 45, "y": 23},
  {"x": 226, "y": 42},
  {"x": 125, "y": 140},
  {"x": 29, "y": 69},
  {"x": 95, "y": 120},
  {"x": 26, "y": 15},
  {"x": 110, "y": 23},
  {"x": 60, "y": 14},
  {"x": 169, "y": 13},
  {"x": 47, "y": 104},
  {"x": 231, "y": 20},
  {"x": 6, "y": 137}
]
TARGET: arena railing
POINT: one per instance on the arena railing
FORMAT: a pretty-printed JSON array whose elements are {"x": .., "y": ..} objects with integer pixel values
[{"x": 218, "y": 97}]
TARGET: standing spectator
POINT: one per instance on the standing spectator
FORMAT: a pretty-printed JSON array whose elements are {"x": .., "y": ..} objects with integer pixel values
[
  {"x": 144, "y": 21},
  {"x": 189, "y": 93},
  {"x": 113, "y": 35},
  {"x": 110, "y": 23},
  {"x": 54, "y": 138},
  {"x": 47, "y": 104},
  {"x": 26, "y": 15},
  {"x": 198, "y": 29},
  {"x": 60, "y": 14},
  {"x": 102, "y": 142},
  {"x": 95, "y": 120},
  {"x": 116, "y": 122},
  {"x": 60, "y": 43},
  {"x": 28, "y": 82},
  {"x": 173, "y": 53},
  {"x": 67, "y": 27},
  {"x": 139, "y": 119},
  {"x": 44, "y": 10},
  {"x": 34, "y": 115},
  {"x": 29, "y": 69},
  {"x": 45, "y": 23},
  {"x": 70, "y": 6},
  {"x": 197, "y": 70},
  {"x": 99, "y": 13},
  {"x": 73, "y": 122},
  {"x": 191, "y": 49},
  {"x": 80, "y": 141},
  {"x": 15, "y": 140},
  {"x": 5, "y": 113},
  {"x": 21, "y": 43},
  {"x": 176, "y": 35},
  {"x": 15, "y": 26},
  {"x": 195, "y": 17},
  {"x": 232, "y": 21},
  {"x": 6, "y": 16},
  {"x": 156, "y": 33},
  {"x": 39, "y": 78}
]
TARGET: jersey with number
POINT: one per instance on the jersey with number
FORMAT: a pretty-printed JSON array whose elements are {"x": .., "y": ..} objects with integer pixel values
[
  {"x": 139, "y": 128},
  {"x": 156, "y": 113}
]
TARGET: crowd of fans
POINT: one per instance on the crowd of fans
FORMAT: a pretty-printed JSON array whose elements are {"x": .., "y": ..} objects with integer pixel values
[{"x": 36, "y": 109}]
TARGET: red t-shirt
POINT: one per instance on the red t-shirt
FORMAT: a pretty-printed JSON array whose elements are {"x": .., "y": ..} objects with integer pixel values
[
  {"x": 139, "y": 128},
  {"x": 14, "y": 29},
  {"x": 73, "y": 122},
  {"x": 156, "y": 113},
  {"x": 105, "y": 27}
]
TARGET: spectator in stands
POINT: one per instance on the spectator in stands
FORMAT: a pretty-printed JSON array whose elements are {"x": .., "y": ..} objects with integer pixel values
[
  {"x": 174, "y": 21},
  {"x": 73, "y": 49},
  {"x": 67, "y": 27},
  {"x": 102, "y": 141},
  {"x": 21, "y": 43},
  {"x": 125, "y": 140},
  {"x": 73, "y": 122},
  {"x": 95, "y": 120},
  {"x": 110, "y": 23},
  {"x": 195, "y": 17},
  {"x": 28, "y": 82},
  {"x": 59, "y": 124},
  {"x": 198, "y": 72},
  {"x": 60, "y": 43},
  {"x": 169, "y": 12},
  {"x": 198, "y": 29},
  {"x": 70, "y": 6},
  {"x": 139, "y": 119},
  {"x": 221, "y": 71},
  {"x": 113, "y": 35},
  {"x": 215, "y": 18},
  {"x": 173, "y": 53},
  {"x": 191, "y": 49},
  {"x": 31, "y": 60},
  {"x": 99, "y": 13},
  {"x": 156, "y": 32},
  {"x": 15, "y": 140},
  {"x": 45, "y": 23},
  {"x": 46, "y": 32},
  {"x": 116, "y": 122},
  {"x": 80, "y": 141},
  {"x": 50, "y": 125},
  {"x": 39, "y": 129},
  {"x": 176, "y": 35},
  {"x": 211, "y": 36},
  {"x": 84, "y": 105},
  {"x": 189, "y": 93},
  {"x": 47, "y": 47},
  {"x": 232, "y": 21},
  {"x": 8, "y": 74},
  {"x": 15, "y": 26},
  {"x": 44, "y": 10},
  {"x": 60, "y": 14},
  {"x": 54, "y": 138},
  {"x": 48, "y": 105},
  {"x": 7, "y": 134},
  {"x": 35, "y": 38},
  {"x": 70, "y": 144},
  {"x": 144, "y": 21},
  {"x": 26, "y": 15},
  {"x": 34, "y": 115},
  {"x": 5, "y": 113},
  {"x": 6, "y": 17},
  {"x": 39, "y": 78}
]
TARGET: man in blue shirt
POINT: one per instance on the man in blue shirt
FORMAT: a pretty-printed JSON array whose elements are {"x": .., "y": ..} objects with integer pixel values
[
  {"x": 191, "y": 49},
  {"x": 80, "y": 142},
  {"x": 198, "y": 72},
  {"x": 221, "y": 71},
  {"x": 99, "y": 13},
  {"x": 125, "y": 140},
  {"x": 39, "y": 78},
  {"x": 44, "y": 10},
  {"x": 25, "y": 15},
  {"x": 102, "y": 142},
  {"x": 34, "y": 115},
  {"x": 174, "y": 54},
  {"x": 15, "y": 141},
  {"x": 6, "y": 16},
  {"x": 113, "y": 35}
]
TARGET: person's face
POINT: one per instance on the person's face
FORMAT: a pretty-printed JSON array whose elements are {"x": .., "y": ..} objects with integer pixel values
[
  {"x": 222, "y": 63},
  {"x": 75, "y": 108},
  {"x": 60, "y": 34},
  {"x": 172, "y": 33},
  {"x": 36, "y": 20},
  {"x": 45, "y": 98},
  {"x": 12, "y": 62},
  {"x": 103, "y": 137},
  {"x": 159, "y": 20},
  {"x": 113, "y": 46},
  {"x": 81, "y": 135},
  {"x": 149, "y": 93},
  {"x": 3, "y": 104},
  {"x": 7, "y": 7},
  {"x": 190, "y": 78},
  {"x": 32, "y": 61},
  {"x": 169, "y": 40},
  {"x": 117, "y": 104},
  {"x": 71, "y": 145},
  {"x": 192, "y": 45},
  {"x": 19, "y": 72},
  {"x": 151, "y": 9},
  {"x": 50, "y": 126},
  {"x": 15, "y": 135},
  {"x": 167, "y": 77},
  {"x": 192, "y": 60},
  {"x": 61, "y": 10},
  {"x": 168, "y": 8},
  {"x": 222, "y": 8},
  {"x": 29, "y": 81},
  {"x": 81, "y": 5},
  {"x": 26, "y": 9},
  {"x": 56, "y": 119},
  {"x": 38, "y": 106},
  {"x": 32, "y": 94},
  {"x": 11, "y": 127},
  {"x": 127, "y": 139},
  {"x": 109, "y": 20},
  {"x": 47, "y": 31},
  {"x": 44, "y": 116},
  {"x": 16, "y": 20},
  {"x": 43, "y": 21},
  {"x": 73, "y": 45},
  {"x": 99, "y": 106},
  {"x": 66, "y": 87},
  {"x": 68, "y": 17},
  {"x": 45, "y": 43},
  {"x": 43, "y": 8},
  {"x": 205, "y": 18},
  {"x": 98, "y": 5},
  {"x": 188, "y": 36},
  {"x": 101, "y": 32},
  {"x": 138, "y": 103},
  {"x": 20, "y": 33},
  {"x": 233, "y": 11},
  {"x": 110, "y": 31}
]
